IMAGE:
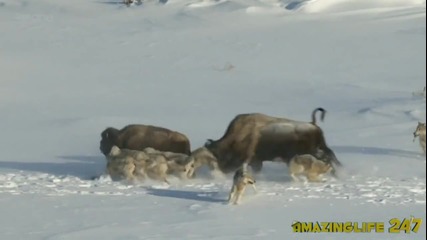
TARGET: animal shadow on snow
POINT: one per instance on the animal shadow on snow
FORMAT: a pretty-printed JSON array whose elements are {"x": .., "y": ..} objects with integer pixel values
[
  {"x": 187, "y": 195},
  {"x": 83, "y": 167},
  {"x": 376, "y": 151},
  {"x": 121, "y": 2},
  {"x": 118, "y": 3},
  {"x": 295, "y": 5}
]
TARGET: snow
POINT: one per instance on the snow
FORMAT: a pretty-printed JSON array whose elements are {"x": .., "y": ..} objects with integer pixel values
[{"x": 69, "y": 69}]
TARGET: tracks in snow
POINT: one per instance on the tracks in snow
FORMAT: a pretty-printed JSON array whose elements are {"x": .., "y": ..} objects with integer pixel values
[{"x": 378, "y": 190}]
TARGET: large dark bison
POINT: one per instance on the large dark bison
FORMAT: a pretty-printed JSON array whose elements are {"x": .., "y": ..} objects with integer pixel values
[
  {"x": 139, "y": 137},
  {"x": 253, "y": 138}
]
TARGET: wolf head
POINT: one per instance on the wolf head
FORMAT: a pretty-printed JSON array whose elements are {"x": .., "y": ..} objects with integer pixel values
[{"x": 420, "y": 130}]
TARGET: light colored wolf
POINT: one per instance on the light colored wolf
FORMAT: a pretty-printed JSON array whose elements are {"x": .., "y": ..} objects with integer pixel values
[
  {"x": 309, "y": 166},
  {"x": 420, "y": 132},
  {"x": 178, "y": 164},
  {"x": 241, "y": 179},
  {"x": 201, "y": 157},
  {"x": 135, "y": 165},
  {"x": 126, "y": 164}
]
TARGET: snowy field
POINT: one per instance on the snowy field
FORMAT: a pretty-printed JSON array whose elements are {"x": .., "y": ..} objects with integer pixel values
[{"x": 69, "y": 69}]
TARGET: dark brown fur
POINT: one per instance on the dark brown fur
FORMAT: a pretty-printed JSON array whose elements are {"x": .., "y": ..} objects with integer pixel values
[
  {"x": 254, "y": 138},
  {"x": 139, "y": 137}
]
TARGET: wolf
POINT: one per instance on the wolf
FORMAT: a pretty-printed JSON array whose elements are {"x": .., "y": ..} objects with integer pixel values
[
  {"x": 420, "y": 132},
  {"x": 240, "y": 180},
  {"x": 309, "y": 166},
  {"x": 126, "y": 164}
]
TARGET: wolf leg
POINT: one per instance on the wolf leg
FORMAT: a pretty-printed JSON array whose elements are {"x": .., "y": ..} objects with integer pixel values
[
  {"x": 240, "y": 193},
  {"x": 232, "y": 194}
]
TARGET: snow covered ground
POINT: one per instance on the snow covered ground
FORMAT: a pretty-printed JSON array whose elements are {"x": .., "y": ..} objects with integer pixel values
[{"x": 69, "y": 69}]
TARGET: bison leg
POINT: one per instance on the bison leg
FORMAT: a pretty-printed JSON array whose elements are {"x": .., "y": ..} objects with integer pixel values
[
  {"x": 249, "y": 157},
  {"x": 331, "y": 156},
  {"x": 333, "y": 160}
]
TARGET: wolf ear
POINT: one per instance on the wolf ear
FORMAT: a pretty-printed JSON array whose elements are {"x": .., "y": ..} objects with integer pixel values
[{"x": 114, "y": 151}]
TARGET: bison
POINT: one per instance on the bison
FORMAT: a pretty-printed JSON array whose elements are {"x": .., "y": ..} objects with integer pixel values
[
  {"x": 139, "y": 137},
  {"x": 254, "y": 137}
]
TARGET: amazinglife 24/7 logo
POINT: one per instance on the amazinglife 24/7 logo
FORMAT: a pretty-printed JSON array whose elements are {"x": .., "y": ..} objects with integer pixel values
[{"x": 394, "y": 225}]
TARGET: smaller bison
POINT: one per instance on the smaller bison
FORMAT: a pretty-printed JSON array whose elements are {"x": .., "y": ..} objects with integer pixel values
[{"x": 139, "y": 137}]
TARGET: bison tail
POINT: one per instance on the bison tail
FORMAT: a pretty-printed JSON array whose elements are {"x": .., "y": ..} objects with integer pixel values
[{"x": 313, "y": 115}]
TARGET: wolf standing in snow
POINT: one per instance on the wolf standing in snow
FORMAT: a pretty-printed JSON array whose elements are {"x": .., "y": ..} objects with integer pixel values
[
  {"x": 420, "y": 132},
  {"x": 309, "y": 166},
  {"x": 240, "y": 180},
  {"x": 135, "y": 165}
]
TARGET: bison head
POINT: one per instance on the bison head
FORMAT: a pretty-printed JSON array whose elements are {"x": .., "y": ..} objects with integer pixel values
[
  {"x": 209, "y": 143},
  {"x": 108, "y": 140},
  {"x": 212, "y": 147}
]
